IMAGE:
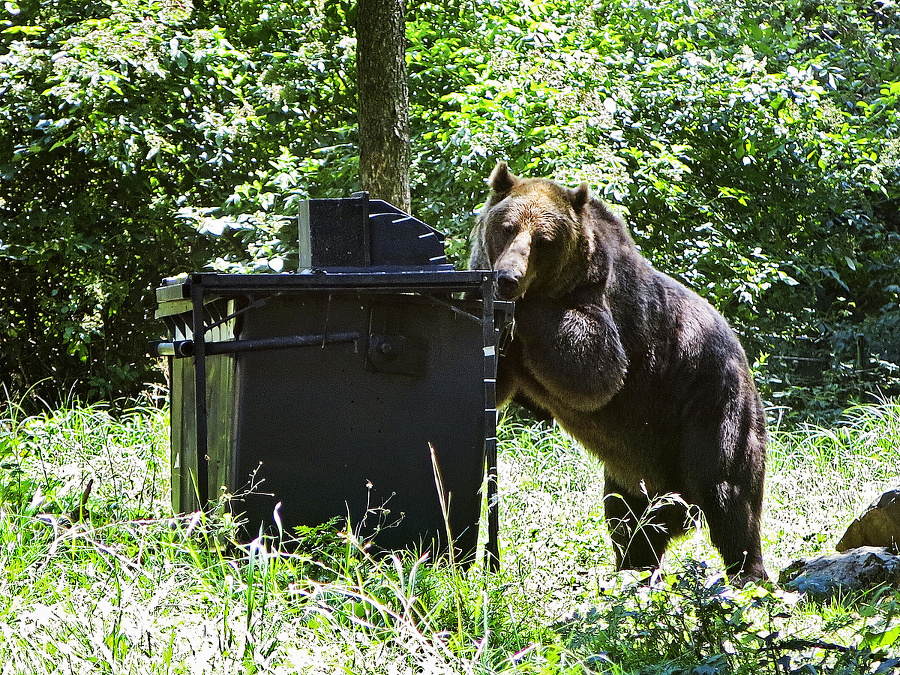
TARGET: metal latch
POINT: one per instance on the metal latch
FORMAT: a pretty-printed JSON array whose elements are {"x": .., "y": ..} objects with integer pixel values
[{"x": 397, "y": 354}]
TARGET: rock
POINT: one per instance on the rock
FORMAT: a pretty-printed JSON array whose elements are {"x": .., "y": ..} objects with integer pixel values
[
  {"x": 858, "y": 569},
  {"x": 879, "y": 525}
]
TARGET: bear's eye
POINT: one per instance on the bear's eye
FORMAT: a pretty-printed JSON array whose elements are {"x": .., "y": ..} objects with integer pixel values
[
  {"x": 509, "y": 227},
  {"x": 542, "y": 241}
]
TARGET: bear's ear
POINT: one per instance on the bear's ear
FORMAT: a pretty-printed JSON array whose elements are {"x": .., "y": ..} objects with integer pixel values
[
  {"x": 580, "y": 196},
  {"x": 502, "y": 180}
]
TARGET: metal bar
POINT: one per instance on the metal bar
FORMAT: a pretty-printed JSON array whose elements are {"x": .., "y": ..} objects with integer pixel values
[
  {"x": 177, "y": 348},
  {"x": 263, "y": 344},
  {"x": 413, "y": 281},
  {"x": 812, "y": 359},
  {"x": 394, "y": 281},
  {"x": 492, "y": 549},
  {"x": 186, "y": 348},
  {"x": 452, "y": 308},
  {"x": 256, "y": 304},
  {"x": 198, "y": 330}
]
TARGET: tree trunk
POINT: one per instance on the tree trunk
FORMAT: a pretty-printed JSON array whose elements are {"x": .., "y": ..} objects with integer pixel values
[{"x": 384, "y": 154}]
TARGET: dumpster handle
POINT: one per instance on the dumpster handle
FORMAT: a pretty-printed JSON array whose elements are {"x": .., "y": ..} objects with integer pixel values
[
  {"x": 176, "y": 348},
  {"x": 187, "y": 348}
]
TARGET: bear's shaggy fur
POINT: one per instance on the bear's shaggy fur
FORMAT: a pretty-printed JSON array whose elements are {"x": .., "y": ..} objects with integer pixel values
[{"x": 639, "y": 369}]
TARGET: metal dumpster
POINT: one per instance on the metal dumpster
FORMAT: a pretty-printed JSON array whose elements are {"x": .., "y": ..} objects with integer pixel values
[{"x": 333, "y": 390}]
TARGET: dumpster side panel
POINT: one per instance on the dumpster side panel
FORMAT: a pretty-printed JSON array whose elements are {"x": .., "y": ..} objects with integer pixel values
[{"x": 343, "y": 430}]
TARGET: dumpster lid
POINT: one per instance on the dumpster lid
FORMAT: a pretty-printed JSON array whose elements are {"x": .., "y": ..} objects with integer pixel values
[{"x": 176, "y": 290}]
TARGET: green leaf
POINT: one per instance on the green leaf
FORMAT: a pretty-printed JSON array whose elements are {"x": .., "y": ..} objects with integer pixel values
[
  {"x": 24, "y": 30},
  {"x": 879, "y": 639}
]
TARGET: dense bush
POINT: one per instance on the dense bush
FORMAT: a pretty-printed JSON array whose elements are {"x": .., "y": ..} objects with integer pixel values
[
  {"x": 752, "y": 148},
  {"x": 99, "y": 142},
  {"x": 121, "y": 123}
]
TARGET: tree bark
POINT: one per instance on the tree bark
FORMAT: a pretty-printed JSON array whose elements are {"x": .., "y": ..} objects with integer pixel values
[{"x": 384, "y": 153}]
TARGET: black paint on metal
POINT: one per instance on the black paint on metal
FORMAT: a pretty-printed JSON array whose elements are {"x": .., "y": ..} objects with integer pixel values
[
  {"x": 199, "y": 331},
  {"x": 326, "y": 388}
]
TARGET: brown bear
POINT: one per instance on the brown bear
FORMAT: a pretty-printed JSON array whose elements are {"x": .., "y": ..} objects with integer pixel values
[{"x": 639, "y": 369}]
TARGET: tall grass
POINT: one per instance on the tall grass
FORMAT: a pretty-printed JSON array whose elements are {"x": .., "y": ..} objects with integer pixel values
[
  {"x": 820, "y": 478},
  {"x": 106, "y": 579}
]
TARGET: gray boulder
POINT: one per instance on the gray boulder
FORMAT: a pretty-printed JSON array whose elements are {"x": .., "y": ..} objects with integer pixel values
[
  {"x": 879, "y": 525},
  {"x": 858, "y": 569}
]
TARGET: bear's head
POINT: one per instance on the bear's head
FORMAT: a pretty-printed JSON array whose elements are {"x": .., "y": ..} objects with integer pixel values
[{"x": 532, "y": 231}]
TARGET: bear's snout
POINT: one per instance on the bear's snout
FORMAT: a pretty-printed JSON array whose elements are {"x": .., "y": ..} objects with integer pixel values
[{"x": 508, "y": 285}]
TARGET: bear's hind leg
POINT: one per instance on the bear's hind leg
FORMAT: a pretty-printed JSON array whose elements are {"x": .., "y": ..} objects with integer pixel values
[
  {"x": 734, "y": 529},
  {"x": 640, "y": 530},
  {"x": 731, "y": 494}
]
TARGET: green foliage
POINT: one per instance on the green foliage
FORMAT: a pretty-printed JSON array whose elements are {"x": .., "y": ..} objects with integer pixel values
[
  {"x": 133, "y": 589},
  {"x": 90, "y": 144},
  {"x": 752, "y": 147},
  {"x": 43, "y": 467},
  {"x": 122, "y": 123},
  {"x": 693, "y": 622}
]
